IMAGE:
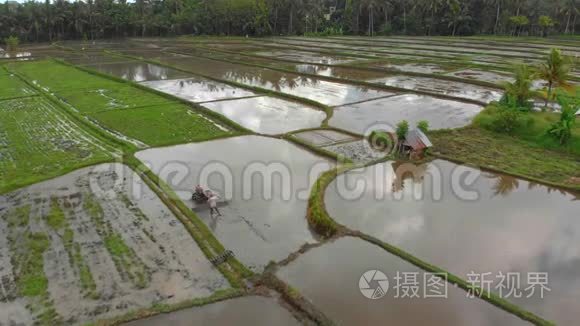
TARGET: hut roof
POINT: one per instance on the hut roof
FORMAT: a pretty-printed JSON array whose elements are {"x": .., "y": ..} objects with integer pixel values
[{"x": 416, "y": 139}]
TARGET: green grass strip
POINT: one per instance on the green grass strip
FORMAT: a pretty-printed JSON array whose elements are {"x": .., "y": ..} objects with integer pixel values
[
  {"x": 220, "y": 295},
  {"x": 488, "y": 296}
]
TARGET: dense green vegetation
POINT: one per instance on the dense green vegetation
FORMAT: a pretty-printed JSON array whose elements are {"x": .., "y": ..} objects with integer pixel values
[
  {"x": 38, "y": 142},
  {"x": 39, "y": 21},
  {"x": 509, "y": 136},
  {"x": 508, "y": 154},
  {"x": 122, "y": 107},
  {"x": 173, "y": 123},
  {"x": 12, "y": 87}
]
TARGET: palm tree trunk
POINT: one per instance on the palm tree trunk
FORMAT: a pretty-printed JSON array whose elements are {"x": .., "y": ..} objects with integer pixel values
[
  {"x": 496, "y": 18},
  {"x": 370, "y": 21},
  {"x": 358, "y": 18},
  {"x": 404, "y": 19},
  {"x": 549, "y": 94},
  {"x": 276, "y": 20},
  {"x": 567, "y": 23},
  {"x": 431, "y": 23},
  {"x": 290, "y": 27}
]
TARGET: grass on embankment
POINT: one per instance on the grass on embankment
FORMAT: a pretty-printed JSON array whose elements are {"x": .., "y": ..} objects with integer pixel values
[{"x": 503, "y": 153}]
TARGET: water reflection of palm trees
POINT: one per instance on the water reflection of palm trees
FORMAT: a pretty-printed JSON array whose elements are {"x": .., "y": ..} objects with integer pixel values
[
  {"x": 504, "y": 184},
  {"x": 270, "y": 79}
]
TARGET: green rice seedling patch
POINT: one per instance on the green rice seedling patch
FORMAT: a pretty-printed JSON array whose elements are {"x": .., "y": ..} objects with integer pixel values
[
  {"x": 115, "y": 96},
  {"x": 57, "y": 221},
  {"x": 122, "y": 107},
  {"x": 124, "y": 257},
  {"x": 37, "y": 142},
  {"x": 58, "y": 77},
  {"x": 11, "y": 86},
  {"x": 162, "y": 125}
]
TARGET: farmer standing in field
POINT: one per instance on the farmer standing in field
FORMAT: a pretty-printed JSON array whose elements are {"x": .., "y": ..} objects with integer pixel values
[{"x": 212, "y": 199}]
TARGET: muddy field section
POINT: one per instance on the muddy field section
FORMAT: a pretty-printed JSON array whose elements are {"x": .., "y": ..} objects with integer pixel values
[
  {"x": 91, "y": 245},
  {"x": 264, "y": 184},
  {"x": 343, "y": 145}
]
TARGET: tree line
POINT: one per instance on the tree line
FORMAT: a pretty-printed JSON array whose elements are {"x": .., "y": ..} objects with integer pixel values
[{"x": 93, "y": 19}]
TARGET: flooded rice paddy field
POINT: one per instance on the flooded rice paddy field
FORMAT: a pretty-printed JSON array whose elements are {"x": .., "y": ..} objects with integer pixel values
[
  {"x": 137, "y": 71},
  {"x": 460, "y": 90},
  {"x": 241, "y": 311},
  {"x": 259, "y": 223},
  {"x": 322, "y": 91},
  {"x": 268, "y": 115},
  {"x": 510, "y": 225},
  {"x": 198, "y": 89},
  {"x": 105, "y": 254},
  {"x": 441, "y": 114},
  {"x": 102, "y": 243},
  {"x": 329, "y": 277},
  {"x": 306, "y": 57},
  {"x": 380, "y": 44}
]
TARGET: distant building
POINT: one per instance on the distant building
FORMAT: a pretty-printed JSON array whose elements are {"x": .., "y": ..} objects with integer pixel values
[{"x": 415, "y": 143}]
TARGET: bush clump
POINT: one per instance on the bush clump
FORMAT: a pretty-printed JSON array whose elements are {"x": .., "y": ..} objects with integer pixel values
[
  {"x": 379, "y": 140},
  {"x": 402, "y": 129},
  {"x": 423, "y": 125}
]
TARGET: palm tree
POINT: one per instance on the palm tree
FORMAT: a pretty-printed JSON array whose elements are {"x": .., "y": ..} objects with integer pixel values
[
  {"x": 520, "y": 89},
  {"x": 370, "y": 5},
  {"x": 497, "y": 4},
  {"x": 433, "y": 6},
  {"x": 385, "y": 6},
  {"x": 556, "y": 71},
  {"x": 569, "y": 10}
]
